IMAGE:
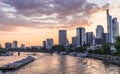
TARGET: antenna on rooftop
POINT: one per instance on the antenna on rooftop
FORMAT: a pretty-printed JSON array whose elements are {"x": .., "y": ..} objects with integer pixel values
[{"x": 108, "y": 7}]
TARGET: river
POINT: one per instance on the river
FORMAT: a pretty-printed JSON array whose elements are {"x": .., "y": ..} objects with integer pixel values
[{"x": 59, "y": 64}]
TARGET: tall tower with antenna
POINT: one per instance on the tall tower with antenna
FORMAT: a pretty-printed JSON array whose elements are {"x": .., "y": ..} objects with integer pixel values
[
  {"x": 112, "y": 27},
  {"x": 108, "y": 9},
  {"x": 109, "y": 26}
]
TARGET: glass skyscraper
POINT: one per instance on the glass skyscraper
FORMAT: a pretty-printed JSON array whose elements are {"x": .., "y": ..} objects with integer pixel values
[
  {"x": 63, "y": 37},
  {"x": 81, "y": 37},
  {"x": 112, "y": 27}
]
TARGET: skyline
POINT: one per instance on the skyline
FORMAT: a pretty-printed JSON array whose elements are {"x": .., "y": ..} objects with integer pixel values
[{"x": 17, "y": 22}]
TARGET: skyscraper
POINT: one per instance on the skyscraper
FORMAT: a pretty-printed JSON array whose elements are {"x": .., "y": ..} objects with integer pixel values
[
  {"x": 49, "y": 43},
  {"x": 89, "y": 38},
  {"x": 112, "y": 27},
  {"x": 115, "y": 29},
  {"x": 44, "y": 44},
  {"x": 105, "y": 37},
  {"x": 63, "y": 37},
  {"x": 14, "y": 44},
  {"x": 74, "y": 41},
  {"x": 109, "y": 27},
  {"x": 99, "y": 31},
  {"x": 81, "y": 38},
  {"x": 8, "y": 45}
]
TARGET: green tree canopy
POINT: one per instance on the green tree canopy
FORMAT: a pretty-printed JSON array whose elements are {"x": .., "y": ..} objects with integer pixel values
[
  {"x": 2, "y": 50},
  {"x": 80, "y": 49},
  {"x": 117, "y": 45},
  {"x": 106, "y": 48},
  {"x": 58, "y": 48}
]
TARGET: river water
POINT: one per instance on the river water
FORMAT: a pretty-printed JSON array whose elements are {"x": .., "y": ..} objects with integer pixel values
[{"x": 59, "y": 64}]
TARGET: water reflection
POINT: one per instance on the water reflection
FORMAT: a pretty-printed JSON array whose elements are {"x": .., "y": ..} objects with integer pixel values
[
  {"x": 112, "y": 69},
  {"x": 94, "y": 67},
  {"x": 45, "y": 63},
  {"x": 62, "y": 64}
]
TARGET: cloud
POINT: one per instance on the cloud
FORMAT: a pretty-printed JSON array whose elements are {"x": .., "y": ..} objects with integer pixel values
[{"x": 47, "y": 13}]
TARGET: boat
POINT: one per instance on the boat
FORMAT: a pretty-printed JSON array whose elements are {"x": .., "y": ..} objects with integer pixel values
[{"x": 17, "y": 64}]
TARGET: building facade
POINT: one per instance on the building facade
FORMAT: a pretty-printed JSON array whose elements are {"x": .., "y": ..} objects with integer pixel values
[
  {"x": 44, "y": 44},
  {"x": 14, "y": 45},
  {"x": 8, "y": 45},
  {"x": 112, "y": 28},
  {"x": 49, "y": 43},
  {"x": 89, "y": 38},
  {"x": 105, "y": 38},
  {"x": 81, "y": 37},
  {"x": 74, "y": 42},
  {"x": 62, "y": 37},
  {"x": 115, "y": 29},
  {"x": 99, "y": 31}
]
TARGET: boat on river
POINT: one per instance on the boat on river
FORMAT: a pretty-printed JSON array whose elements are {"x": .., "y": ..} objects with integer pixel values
[{"x": 17, "y": 64}]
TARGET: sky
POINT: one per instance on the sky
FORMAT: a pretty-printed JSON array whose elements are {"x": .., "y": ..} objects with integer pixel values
[{"x": 32, "y": 21}]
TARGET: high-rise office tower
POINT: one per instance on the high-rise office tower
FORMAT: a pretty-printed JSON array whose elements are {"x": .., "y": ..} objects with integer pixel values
[
  {"x": 89, "y": 38},
  {"x": 109, "y": 27},
  {"x": 115, "y": 29},
  {"x": 62, "y": 37},
  {"x": 99, "y": 31},
  {"x": 8, "y": 45},
  {"x": 74, "y": 41},
  {"x": 112, "y": 27},
  {"x": 44, "y": 44},
  {"x": 49, "y": 43},
  {"x": 14, "y": 45},
  {"x": 81, "y": 37},
  {"x": 105, "y": 37}
]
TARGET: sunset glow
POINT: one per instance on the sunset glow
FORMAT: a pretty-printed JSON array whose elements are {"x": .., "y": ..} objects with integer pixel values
[{"x": 32, "y": 21}]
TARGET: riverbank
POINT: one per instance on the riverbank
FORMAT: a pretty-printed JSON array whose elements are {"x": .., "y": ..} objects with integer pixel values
[{"x": 106, "y": 58}]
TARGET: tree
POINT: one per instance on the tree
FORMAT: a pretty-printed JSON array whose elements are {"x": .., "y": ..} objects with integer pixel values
[
  {"x": 117, "y": 45},
  {"x": 106, "y": 48},
  {"x": 80, "y": 49},
  {"x": 91, "y": 51},
  {"x": 69, "y": 50},
  {"x": 98, "y": 51},
  {"x": 2, "y": 50},
  {"x": 58, "y": 48}
]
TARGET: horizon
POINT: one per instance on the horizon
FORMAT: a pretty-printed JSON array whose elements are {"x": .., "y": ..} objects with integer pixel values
[{"x": 31, "y": 22}]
